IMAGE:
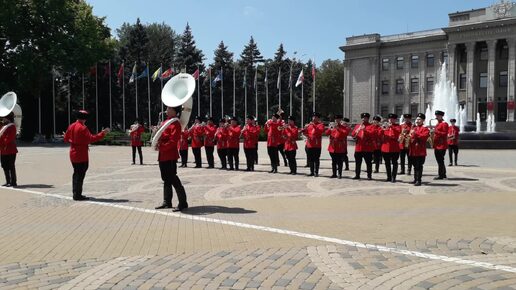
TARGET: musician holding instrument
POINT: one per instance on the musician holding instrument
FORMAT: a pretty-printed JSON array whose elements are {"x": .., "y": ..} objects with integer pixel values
[
  {"x": 250, "y": 134},
  {"x": 259, "y": 128},
  {"x": 234, "y": 131},
  {"x": 440, "y": 143},
  {"x": 345, "y": 122},
  {"x": 313, "y": 133},
  {"x": 79, "y": 137},
  {"x": 136, "y": 140},
  {"x": 417, "y": 151},
  {"x": 377, "y": 141},
  {"x": 404, "y": 144},
  {"x": 290, "y": 135},
  {"x": 8, "y": 149},
  {"x": 183, "y": 147},
  {"x": 453, "y": 141},
  {"x": 364, "y": 135},
  {"x": 167, "y": 158},
  {"x": 281, "y": 146},
  {"x": 337, "y": 147},
  {"x": 209, "y": 141},
  {"x": 196, "y": 135},
  {"x": 273, "y": 128},
  {"x": 222, "y": 142},
  {"x": 390, "y": 147}
]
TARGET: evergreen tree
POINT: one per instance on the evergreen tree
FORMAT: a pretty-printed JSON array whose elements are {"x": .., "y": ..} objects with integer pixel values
[
  {"x": 137, "y": 45},
  {"x": 223, "y": 60},
  {"x": 189, "y": 57},
  {"x": 250, "y": 55}
]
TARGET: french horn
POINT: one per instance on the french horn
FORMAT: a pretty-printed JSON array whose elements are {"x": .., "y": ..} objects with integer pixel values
[{"x": 8, "y": 104}]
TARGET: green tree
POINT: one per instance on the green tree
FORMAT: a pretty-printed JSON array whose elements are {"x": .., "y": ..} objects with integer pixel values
[
  {"x": 138, "y": 46},
  {"x": 189, "y": 57},
  {"x": 222, "y": 60},
  {"x": 329, "y": 88},
  {"x": 250, "y": 55}
]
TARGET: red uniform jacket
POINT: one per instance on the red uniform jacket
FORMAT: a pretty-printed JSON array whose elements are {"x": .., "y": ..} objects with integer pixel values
[
  {"x": 390, "y": 139},
  {"x": 418, "y": 139},
  {"x": 338, "y": 139},
  {"x": 8, "y": 141},
  {"x": 405, "y": 127},
  {"x": 183, "y": 143},
  {"x": 453, "y": 135},
  {"x": 196, "y": 134},
  {"x": 234, "y": 136},
  {"x": 313, "y": 134},
  {"x": 364, "y": 138},
  {"x": 79, "y": 137},
  {"x": 136, "y": 136},
  {"x": 377, "y": 137},
  {"x": 222, "y": 138},
  {"x": 168, "y": 142},
  {"x": 290, "y": 134},
  {"x": 209, "y": 135},
  {"x": 274, "y": 137},
  {"x": 441, "y": 136},
  {"x": 251, "y": 134}
]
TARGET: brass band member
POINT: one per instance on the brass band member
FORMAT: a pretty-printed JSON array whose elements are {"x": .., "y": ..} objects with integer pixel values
[
  {"x": 234, "y": 131},
  {"x": 377, "y": 142},
  {"x": 291, "y": 134},
  {"x": 209, "y": 141},
  {"x": 453, "y": 141},
  {"x": 364, "y": 135},
  {"x": 167, "y": 158},
  {"x": 337, "y": 147},
  {"x": 281, "y": 146},
  {"x": 440, "y": 143},
  {"x": 390, "y": 147},
  {"x": 183, "y": 147},
  {"x": 274, "y": 139},
  {"x": 250, "y": 134},
  {"x": 8, "y": 150},
  {"x": 417, "y": 151},
  {"x": 313, "y": 133},
  {"x": 222, "y": 143},
  {"x": 345, "y": 157},
  {"x": 404, "y": 144},
  {"x": 196, "y": 135},
  {"x": 136, "y": 132}
]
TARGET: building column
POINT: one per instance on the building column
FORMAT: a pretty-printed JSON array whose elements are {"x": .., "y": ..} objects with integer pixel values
[
  {"x": 491, "y": 51},
  {"x": 471, "y": 97},
  {"x": 452, "y": 62},
  {"x": 511, "y": 74}
]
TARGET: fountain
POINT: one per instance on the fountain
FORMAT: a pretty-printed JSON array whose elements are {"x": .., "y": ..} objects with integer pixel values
[
  {"x": 478, "y": 124},
  {"x": 445, "y": 97}
]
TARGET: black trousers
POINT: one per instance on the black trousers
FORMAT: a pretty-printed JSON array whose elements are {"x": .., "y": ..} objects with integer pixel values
[
  {"x": 250, "y": 157},
  {"x": 337, "y": 161},
  {"x": 197, "y": 156},
  {"x": 453, "y": 150},
  {"x": 170, "y": 179},
  {"x": 9, "y": 168},
  {"x": 346, "y": 160},
  {"x": 273, "y": 156},
  {"x": 184, "y": 157},
  {"x": 405, "y": 153},
  {"x": 391, "y": 164},
  {"x": 223, "y": 157},
  {"x": 79, "y": 172},
  {"x": 209, "y": 156},
  {"x": 368, "y": 158},
  {"x": 292, "y": 163},
  {"x": 314, "y": 159},
  {"x": 139, "y": 153},
  {"x": 418, "y": 162},
  {"x": 377, "y": 157},
  {"x": 233, "y": 157},
  {"x": 439, "y": 157},
  {"x": 281, "y": 150}
]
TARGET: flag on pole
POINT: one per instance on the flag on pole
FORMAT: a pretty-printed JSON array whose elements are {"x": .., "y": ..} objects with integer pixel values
[
  {"x": 156, "y": 74},
  {"x": 300, "y": 78},
  {"x": 107, "y": 70},
  {"x": 244, "y": 84},
  {"x": 218, "y": 78},
  {"x": 167, "y": 74},
  {"x": 93, "y": 71},
  {"x": 196, "y": 74},
  {"x": 145, "y": 72},
  {"x": 120, "y": 73},
  {"x": 265, "y": 79},
  {"x": 133, "y": 74},
  {"x": 278, "y": 84}
]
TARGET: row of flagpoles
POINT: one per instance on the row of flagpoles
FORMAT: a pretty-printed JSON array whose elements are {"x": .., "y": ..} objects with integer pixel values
[{"x": 165, "y": 75}]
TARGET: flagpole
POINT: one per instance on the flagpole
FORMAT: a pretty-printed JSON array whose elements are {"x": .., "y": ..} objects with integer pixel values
[
  {"x": 211, "y": 111},
  {"x": 234, "y": 91},
  {"x": 148, "y": 95},
  {"x": 313, "y": 88},
  {"x": 302, "y": 104},
  {"x": 53, "y": 102},
  {"x": 83, "y": 94},
  {"x": 69, "y": 98},
  {"x": 279, "y": 88},
  {"x": 199, "y": 93},
  {"x": 39, "y": 113},
  {"x": 136, "y": 86},
  {"x": 221, "y": 92},
  {"x": 245, "y": 93},
  {"x": 290, "y": 86},
  {"x": 256, "y": 91},
  {"x": 110, "y": 105},
  {"x": 266, "y": 94},
  {"x": 123, "y": 96},
  {"x": 160, "y": 92},
  {"x": 96, "y": 97}
]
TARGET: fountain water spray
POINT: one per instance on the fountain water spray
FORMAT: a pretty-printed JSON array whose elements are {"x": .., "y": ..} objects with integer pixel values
[{"x": 478, "y": 130}]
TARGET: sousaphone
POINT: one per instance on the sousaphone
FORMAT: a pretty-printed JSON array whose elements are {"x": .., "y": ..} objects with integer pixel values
[
  {"x": 7, "y": 105},
  {"x": 177, "y": 92}
]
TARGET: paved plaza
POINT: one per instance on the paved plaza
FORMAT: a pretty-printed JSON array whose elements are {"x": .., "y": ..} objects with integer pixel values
[{"x": 255, "y": 230}]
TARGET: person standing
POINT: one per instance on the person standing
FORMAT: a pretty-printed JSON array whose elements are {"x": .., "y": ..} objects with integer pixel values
[
  {"x": 313, "y": 133},
  {"x": 167, "y": 158},
  {"x": 291, "y": 134},
  {"x": 183, "y": 147},
  {"x": 222, "y": 143},
  {"x": 345, "y": 123},
  {"x": 8, "y": 150},
  {"x": 281, "y": 146},
  {"x": 209, "y": 141},
  {"x": 259, "y": 129},
  {"x": 337, "y": 147},
  {"x": 364, "y": 134},
  {"x": 440, "y": 143},
  {"x": 453, "y": 141},
  {"x": 234, "y": 131},
  {"x": 391, "y": 147},
  {"x": 196, "y": 135},
  {"x": 250, "y": 134},
  {"x": 79, "y": 137},
  {"x": 377, "y": 152},
  {"x": 274, "y": 138},
  {"x": 417, "y": 150},
  {"x": 404, "y": 144},
  {"x": 136, "y": 140}
]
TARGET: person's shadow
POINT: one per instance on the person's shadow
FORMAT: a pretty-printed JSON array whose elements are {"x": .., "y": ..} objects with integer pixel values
[
  {"x": 109, "y": 200},
  {"x": 211, "y": 209},
  {"x": 24, "y": 186}
]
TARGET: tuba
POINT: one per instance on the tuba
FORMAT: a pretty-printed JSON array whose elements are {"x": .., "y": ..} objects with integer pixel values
[
  {"x": 177, "y": 91},
  {"x": 7, "y": 105}
]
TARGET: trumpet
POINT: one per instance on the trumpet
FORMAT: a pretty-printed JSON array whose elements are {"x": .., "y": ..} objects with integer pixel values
[
  {"x": 386, "y": 125},
  {"x": 431, "y": 125}
]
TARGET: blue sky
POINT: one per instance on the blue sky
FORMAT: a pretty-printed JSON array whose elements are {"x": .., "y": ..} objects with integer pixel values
[{"x": 315, "y": 29}]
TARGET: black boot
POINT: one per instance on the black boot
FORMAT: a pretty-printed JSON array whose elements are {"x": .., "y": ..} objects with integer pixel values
[
  {"x": 13, "y": 178},
  {"x": 7, "y": 178},
  {"x": 333, "y": 170}
]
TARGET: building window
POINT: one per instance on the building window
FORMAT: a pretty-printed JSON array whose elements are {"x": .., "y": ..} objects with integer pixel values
[
  {"x": 483, "y": 53},
  {"x": 385, "y": 87},
  {"x": 462, "y": 81},
  {"x": 430, "y": 60},
  {"x": 483, "y": 80},
  {"x": 384, "y": 110},
  {"x": 445, "y": 57},
  {"x": 414, "y": 108},
  {"x": 504, "y": 52},
  {"x": 399, "y": 62},
  {"x": 430, "y": 84},
  {"x": 414, "y": 61},
  {"x": 385, "y": 64},
  {"x": 503, "y": 79},
  {"x": 399, "y": 86},
  {"x": 414, "y": 85},
  {"x": 398, "y": 110}
]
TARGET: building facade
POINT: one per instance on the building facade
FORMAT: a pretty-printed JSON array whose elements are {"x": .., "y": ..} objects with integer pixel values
[{"x": 397, "y": 73}]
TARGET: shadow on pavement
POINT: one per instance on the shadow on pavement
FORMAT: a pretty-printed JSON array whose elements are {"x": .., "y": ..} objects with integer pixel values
[
  {"x": 440, "y": 184},
  {"x": 462, "y": 179},
  {"x": 99, "y": 199},
  {"x": 211, "y": 209},
  {"x": 23, "y": 186}
]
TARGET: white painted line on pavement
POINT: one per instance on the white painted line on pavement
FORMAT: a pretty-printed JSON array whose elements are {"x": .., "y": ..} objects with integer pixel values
[{"x": 472, "y": 263}]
